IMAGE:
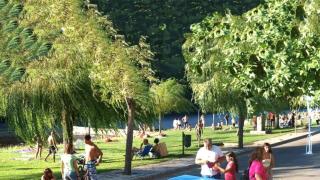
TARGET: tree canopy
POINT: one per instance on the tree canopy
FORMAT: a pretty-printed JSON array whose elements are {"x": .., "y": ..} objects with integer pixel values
[
  {"x": 46, "y": 65},
  {"x": 269, "y": 53}
]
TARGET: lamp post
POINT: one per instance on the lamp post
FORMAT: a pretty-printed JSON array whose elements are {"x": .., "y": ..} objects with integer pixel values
[
  {"x": 309, "y": 138},
  {"x": 213, "y": 125}
]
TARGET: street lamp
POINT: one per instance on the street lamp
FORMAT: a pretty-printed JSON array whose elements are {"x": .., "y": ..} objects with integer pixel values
[{"x": 308, "y": 99}]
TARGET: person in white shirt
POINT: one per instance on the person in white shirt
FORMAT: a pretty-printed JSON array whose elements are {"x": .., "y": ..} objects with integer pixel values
[
  {"x": 69, "y": 165},
  {"x": 175, "y": 124},
  {"x": 179, "y": 124},
  {"x": 207, "y": 156}
]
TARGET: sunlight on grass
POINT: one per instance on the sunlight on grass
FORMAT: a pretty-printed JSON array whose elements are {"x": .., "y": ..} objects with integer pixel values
[{"x": 18, "y": 165}]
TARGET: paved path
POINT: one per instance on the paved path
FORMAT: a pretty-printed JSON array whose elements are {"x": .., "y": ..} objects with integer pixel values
[{"x": 292, "y": 163}]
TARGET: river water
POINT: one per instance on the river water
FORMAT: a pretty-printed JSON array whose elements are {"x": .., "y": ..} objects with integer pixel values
[{"x": 167, "y": 121}]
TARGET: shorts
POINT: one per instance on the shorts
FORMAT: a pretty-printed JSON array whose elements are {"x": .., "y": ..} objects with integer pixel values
[
  {"x": 52, "y": 149},
  {"x": 92, "y": 171}
]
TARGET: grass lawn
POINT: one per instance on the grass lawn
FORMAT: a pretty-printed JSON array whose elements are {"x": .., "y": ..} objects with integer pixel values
[{"x": 12, "y": 167}]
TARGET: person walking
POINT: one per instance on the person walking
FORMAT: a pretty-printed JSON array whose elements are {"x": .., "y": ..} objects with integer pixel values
[
  {"x": 52, "y": 146},
  {"x": 268, "y": 159},
  {"x": 232, "y": 167},
  {"x": 257, "y": 170},
  {"x": 93, "y": 157},
  {"x": 207, "y": 157},
  {"x": 69, "y": 165}
]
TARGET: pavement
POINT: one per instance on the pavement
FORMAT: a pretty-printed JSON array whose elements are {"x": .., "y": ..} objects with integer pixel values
[
  {"x": 291, "y": 163},
  {"x": 164, "y": 169}
]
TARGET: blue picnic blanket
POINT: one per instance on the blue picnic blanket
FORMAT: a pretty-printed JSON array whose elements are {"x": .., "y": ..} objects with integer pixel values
[{"x": 188, "y": 177}]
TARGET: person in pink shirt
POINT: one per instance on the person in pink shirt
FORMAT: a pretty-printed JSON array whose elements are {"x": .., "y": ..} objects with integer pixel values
[
  {"x": 257, "y": 170},
  {"x": 232, "y": 167}
]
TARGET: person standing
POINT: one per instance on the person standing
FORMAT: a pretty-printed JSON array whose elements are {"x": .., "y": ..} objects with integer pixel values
[
  {"x": 52, "y": 146},
  {"x": 93, "y": 156},
  {"x": 39, "y": 145},
  {"x": 179, "y": 123},
  {"x": 203, "y": 121},
  {"x": 226, "y": 118},
  {"x": 185, "y": 121},
  {"x": 268, "y": 159},
  {"x": 256, "y": 170},
  {"x": 69, "y": 165},
  {"x": 207, "y": 157},
  {"x": 232, "y": 167}
]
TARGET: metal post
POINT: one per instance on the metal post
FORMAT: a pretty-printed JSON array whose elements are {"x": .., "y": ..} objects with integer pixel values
[
  {"x": 309, "y": 139},
  {"x": 182, "y": 143}
]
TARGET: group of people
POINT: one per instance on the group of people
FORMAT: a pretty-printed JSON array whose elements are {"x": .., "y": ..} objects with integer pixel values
[
  {"x": 182, "y": 123},
  {"x": 146, "y": 149},
  {"x": 288, "y": 120},
  {"x": 69, "y": 162},
  {"x": 210, "y": 158}
]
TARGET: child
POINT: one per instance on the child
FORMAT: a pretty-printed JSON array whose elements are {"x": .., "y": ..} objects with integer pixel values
[{"x": 232, "y": 167}]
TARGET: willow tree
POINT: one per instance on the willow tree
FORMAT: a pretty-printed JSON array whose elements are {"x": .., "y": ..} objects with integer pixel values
[
  {"x": 45, "y": 65},
  {"x": 124, "y": 84},
  {"x": 269, "y": 52},
  {"x": 169, "y": 96}
]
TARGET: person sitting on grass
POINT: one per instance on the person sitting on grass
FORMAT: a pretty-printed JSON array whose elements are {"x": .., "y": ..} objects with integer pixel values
[
  {"x": 232, "y": 167},
  {"x": 144, "y": 148},
  {"x": 48, "y": 175},
  {"x": 156, "y": 148}
]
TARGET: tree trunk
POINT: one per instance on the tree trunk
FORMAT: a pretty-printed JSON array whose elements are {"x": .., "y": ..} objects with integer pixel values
[
  {"x": 128, "y": 157},
  {"x": 277, "y": 121},
  {"x": 242, "y": 117},
  {"x": 67, "y": 127},
  {"x": 159, "y": 123}
]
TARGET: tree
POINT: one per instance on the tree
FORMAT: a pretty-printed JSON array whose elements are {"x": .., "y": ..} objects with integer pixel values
[
  {"x": 45, "y": 66},
  {"x": 269, "y": 52},
  {"x": 169, "y": 96},
  {"x": 123, "y": 83}
]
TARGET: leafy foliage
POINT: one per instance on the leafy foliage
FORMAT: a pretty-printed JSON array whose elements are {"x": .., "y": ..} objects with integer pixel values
[
  {"x": 169, "y": 96},
  {"x": 45, "y": 64},
  {"x": 269, "y": 52}
]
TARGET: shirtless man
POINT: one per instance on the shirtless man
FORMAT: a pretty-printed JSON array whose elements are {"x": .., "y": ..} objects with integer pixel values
[
  {"x": 52, "y": 146},
  {"x": 93, "y": 157}
]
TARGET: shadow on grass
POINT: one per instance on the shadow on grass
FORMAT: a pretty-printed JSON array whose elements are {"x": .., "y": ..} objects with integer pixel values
[
  {"x": 23, "y": 168},
  {"x": 33, "y": 176}
]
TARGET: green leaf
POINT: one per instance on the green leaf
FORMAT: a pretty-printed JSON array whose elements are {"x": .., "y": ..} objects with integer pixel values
[{"x": 15, "y": 10}]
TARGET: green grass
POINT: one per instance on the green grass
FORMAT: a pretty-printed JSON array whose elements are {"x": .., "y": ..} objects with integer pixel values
[{"x": 114, "y": 153}]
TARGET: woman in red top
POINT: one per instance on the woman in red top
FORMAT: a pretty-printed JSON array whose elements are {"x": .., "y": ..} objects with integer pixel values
[
  {"x": 256, "y": 170},
  {"x": 232, "y": 167}
]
